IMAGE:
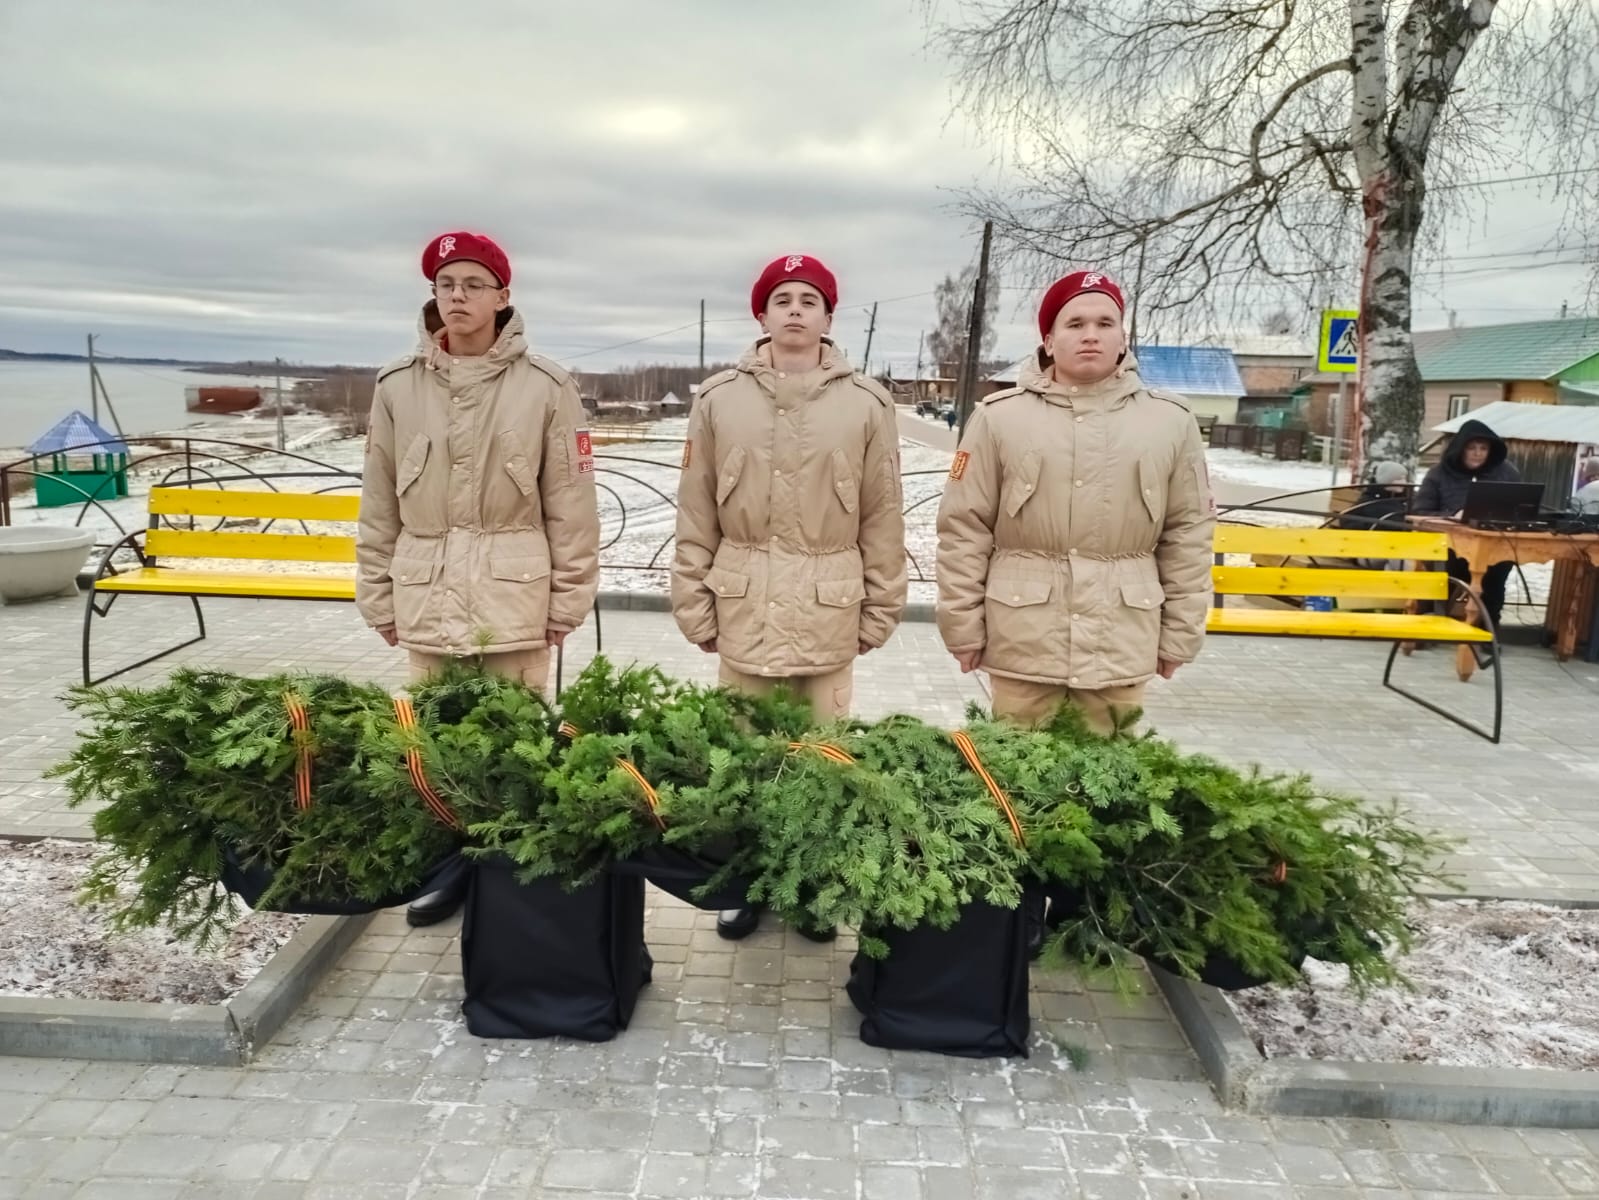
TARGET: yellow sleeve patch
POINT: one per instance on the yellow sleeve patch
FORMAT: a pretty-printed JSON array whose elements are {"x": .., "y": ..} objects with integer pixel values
[
  {"x": 688, "y": 453},
  {"x": 958, "y": 467}
]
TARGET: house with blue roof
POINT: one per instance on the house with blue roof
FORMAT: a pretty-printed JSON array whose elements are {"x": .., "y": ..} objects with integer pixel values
[{"x": 1206, "y": 376}]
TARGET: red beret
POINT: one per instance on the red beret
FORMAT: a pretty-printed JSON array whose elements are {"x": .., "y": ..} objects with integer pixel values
[
  {"x": 1066, "y": 289},
  {"x": 794, "y": 266},
  {"x": 471, "y": 247}
]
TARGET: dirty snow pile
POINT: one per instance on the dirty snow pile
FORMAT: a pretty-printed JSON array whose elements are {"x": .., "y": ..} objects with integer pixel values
[
  {"x": 1496, "y": 985},
  {"x": 52, "y": 946}
]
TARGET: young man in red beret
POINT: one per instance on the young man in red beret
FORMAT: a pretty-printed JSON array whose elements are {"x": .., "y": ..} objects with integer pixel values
[
  {"x": 1074, "y": 536},
  {"x": 479, "y": 532},
  {"x": 790, "y": 558}
]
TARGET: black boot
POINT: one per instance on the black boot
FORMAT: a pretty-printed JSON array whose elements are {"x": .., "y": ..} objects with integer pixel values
[
  {"x": 736, "y": 923},
  {"x": 436, "y": 906}
]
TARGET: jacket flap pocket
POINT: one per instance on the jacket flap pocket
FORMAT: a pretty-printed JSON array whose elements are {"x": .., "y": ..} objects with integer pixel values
[
  {"x": 1019, "y": 593},
  {"x": 845, "y": 485},
  {"x": 516, "y": 463},
  {"x": 727, "y": 477},
  {"x": 840, "y": 593},
  {"x": 1143, "y": 595},
  {"x": 411, "y": 570},
  {"x": 410, "y": 470},
  {"x": 519, "y": 568},
  {"x": 728, "y": 584},
  {"x": 1023, "y": 485}
]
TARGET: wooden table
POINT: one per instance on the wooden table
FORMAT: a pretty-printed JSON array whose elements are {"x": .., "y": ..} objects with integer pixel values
[{"x": 1481, "y": 548}]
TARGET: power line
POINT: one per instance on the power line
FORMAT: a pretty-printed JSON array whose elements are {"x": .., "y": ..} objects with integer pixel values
[{"x": 1465, "y": 183}]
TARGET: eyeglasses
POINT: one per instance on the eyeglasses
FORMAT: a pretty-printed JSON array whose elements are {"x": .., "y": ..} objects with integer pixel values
[{"x": 472, "y": 287}]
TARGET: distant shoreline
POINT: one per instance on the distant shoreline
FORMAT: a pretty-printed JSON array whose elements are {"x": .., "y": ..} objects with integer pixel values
[{"x": 190, "y": 366}]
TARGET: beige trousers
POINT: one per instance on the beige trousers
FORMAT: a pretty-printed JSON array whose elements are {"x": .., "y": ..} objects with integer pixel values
[
  {"x": 530, "y": 667},
  {"x": 1029, "y": 703},
  {"x": 830, "y": 694}
]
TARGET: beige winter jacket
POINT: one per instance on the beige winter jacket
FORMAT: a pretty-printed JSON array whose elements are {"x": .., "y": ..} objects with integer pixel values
[
  {"x": 478, "y": 522},
  {"x": 1074, "y": 535},
  {"x": 790, "y": 538}
]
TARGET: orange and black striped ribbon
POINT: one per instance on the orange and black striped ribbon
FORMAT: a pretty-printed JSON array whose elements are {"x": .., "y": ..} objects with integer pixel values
[
  {"x": 406, "y": 716},
  {"x": 568, "y": 730},
  {"x": 963, "y": 743},
  {"x": 650, "y": 795},
  {"x": 300, "y": 723},
  {"x": 826, "y": 750}
]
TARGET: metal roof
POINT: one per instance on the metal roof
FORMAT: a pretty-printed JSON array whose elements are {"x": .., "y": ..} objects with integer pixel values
[
  {"x": 1576, "y": 423},
  {"x": 1191, "y": 370},
  {"x": 1527, "y": 350},
  {"x": 75, "y": 431}
]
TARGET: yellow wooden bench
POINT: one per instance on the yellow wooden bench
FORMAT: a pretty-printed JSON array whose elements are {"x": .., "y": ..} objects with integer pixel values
[
  {"x": 185, "y": 524},
  {"x": 1403, "y": 587}
]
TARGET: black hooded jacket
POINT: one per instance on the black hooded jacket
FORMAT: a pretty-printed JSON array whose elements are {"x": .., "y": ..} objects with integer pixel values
[{"x": 1443, "y": 492}]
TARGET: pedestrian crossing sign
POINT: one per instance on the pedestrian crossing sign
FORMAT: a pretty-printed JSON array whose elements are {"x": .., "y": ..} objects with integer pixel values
[{"x": 1339, "y": 350}]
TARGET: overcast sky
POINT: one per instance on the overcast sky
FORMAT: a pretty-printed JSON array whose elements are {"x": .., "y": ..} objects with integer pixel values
[{"x": 224, "y": 179}]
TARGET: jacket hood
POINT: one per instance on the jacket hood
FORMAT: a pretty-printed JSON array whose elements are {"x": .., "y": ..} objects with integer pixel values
[
  {"x": 1124, "y": 381},
  {"x": 511, "y": 342},
  {"x": 1472, "y": 431},
  {"x": 757, "y": 360}
]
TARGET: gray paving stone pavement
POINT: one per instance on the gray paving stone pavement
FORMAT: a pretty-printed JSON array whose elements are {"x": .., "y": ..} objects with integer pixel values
[{"x": 742, "y": 1074}]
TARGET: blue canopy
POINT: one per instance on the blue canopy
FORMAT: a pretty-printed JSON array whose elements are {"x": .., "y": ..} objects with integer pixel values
[{"x": 76, "y": 432}]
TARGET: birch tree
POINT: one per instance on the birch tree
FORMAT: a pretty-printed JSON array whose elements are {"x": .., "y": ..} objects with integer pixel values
[{"x": 1230, "y": 157}]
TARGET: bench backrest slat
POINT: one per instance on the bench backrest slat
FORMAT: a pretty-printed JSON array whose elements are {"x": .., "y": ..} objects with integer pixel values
[
  {"x": 1332, "y": 543},
  {"x": 1326, "y": 581},
  {"x": 269, "y": 547},
  {"x": 298, "y": 506}
]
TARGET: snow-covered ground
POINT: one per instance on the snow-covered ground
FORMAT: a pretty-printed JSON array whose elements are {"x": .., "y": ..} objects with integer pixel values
[
  {"x": 1239, "y": 466},
  {"x": 52, "y": 946},
  {"x": 1496, "y": 985}
]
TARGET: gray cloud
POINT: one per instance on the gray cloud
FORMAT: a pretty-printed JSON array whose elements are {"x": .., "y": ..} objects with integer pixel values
[{"x": 203, "y": 179}]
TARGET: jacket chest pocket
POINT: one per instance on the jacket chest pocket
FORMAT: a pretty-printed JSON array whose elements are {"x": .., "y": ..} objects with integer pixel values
[
  {"x": 410, "y": 469},
  {"x": 728, "y": 476},
  {"x": 517, "y": 465},
  {"x": 1152, "y": 489},
  {"x": 1022, "y": 485},
  {"x": 846, "y": 485}
]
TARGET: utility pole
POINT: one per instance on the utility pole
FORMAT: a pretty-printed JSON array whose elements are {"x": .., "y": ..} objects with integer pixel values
[
  {"x": 866, "y": 358},
  {"x": 97, "y": 390},
  {"x": 702, "y": 339},
  {"x": 278, "y": 392},
  {"x": 967, "y": 395},
  {"x": 916, "y": 384},
  {"x": 94, "y": 390}
]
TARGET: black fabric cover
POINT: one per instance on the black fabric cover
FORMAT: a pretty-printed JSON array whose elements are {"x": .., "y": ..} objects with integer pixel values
[
  {"x": 961, "y": 990},
  {"x": 679, "y": 873},
  {"x": 542, "y": 961},
  {"x": 250, "y": 881}
]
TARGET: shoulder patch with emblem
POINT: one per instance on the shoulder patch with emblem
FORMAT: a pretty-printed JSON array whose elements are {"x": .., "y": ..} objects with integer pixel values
[
  {"x": 585, "y": 452},
  {"x": 957, "y": 469},
  {"x": 398, "y": 364},
  {"x": 688, "y": 453},
  {"x": 554, "y": 370}
]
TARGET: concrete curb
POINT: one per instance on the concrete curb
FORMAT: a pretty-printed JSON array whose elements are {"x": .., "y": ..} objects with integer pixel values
[
  {"x": 1244, "y": 1078},
  {"x": 207, "y": 1035}
]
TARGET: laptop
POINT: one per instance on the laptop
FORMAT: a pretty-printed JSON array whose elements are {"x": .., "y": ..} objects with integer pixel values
[{"x": 1499, "y": 504}]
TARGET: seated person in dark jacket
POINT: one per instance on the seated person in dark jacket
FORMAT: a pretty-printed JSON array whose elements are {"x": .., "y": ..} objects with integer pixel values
[{"x": 1476, "y": 452}]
